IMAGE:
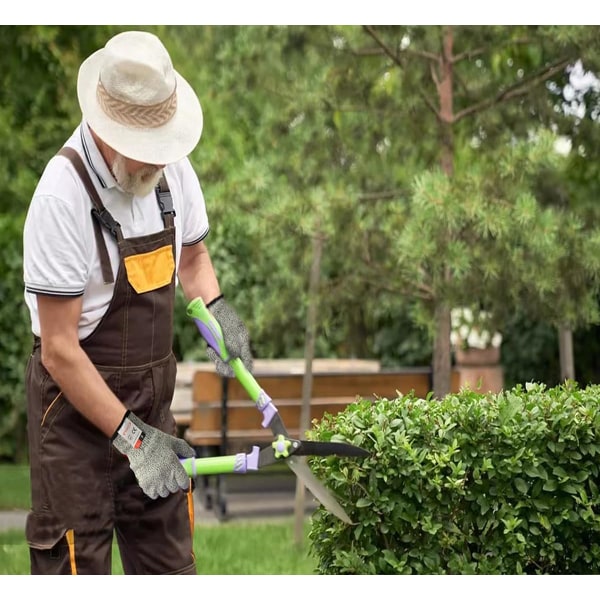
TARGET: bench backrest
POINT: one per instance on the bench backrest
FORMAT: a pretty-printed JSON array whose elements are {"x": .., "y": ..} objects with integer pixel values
[{"x": 210, "y": 387}]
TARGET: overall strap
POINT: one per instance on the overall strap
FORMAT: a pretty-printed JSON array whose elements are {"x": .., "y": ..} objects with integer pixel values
[
  {"x": 99, "y": 213},
  {"x": 165, "y": 202}
]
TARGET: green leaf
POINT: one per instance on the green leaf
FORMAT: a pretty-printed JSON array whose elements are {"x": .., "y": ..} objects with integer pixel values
[{"x": 521, "y": 485}]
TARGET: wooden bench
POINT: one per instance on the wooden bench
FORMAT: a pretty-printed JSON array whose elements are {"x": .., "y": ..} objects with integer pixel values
[{"x": 224, "y": 420}]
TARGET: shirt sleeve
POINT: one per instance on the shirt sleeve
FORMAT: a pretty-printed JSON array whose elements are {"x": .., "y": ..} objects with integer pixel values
[
  {"x": 195, "y": 219},
  {"x": 55, "y": 253}
]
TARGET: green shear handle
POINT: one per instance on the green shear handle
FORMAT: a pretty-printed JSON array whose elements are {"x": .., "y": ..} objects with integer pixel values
[{"x": 211, "y": 331}]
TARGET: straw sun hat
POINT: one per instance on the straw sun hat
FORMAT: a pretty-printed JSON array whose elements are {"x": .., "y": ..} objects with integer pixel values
[{"x": 131, "y": 96}]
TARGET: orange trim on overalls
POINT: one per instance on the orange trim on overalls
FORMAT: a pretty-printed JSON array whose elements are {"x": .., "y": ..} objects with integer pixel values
[
  {"x": 56, "y": 399},
  {"x": 70, "y": 535},
  {"x": 191, "y": 513}
]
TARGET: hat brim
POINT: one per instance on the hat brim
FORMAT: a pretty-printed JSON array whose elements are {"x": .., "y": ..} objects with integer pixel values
[{"x": 153, "y": 145}]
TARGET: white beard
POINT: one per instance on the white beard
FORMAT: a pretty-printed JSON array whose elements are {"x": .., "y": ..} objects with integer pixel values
[{"x": 140, "y": 183}]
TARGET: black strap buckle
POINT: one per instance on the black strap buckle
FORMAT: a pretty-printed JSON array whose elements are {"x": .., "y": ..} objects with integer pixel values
[
  {"x": 107, "y": 220},
  {"x": 165, "y": 202},
  {"x": 164, "y": 198}
]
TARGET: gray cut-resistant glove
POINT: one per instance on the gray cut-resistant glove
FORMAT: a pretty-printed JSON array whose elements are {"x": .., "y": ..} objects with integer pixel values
[
  {"x": 153, "y": 456},
  {"x": 235, "y": 337}
]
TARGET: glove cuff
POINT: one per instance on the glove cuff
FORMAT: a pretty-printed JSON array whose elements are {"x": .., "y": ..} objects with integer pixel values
[
  {"x": 215, "y": 300},
  {"x": 129, "y": 431},
  {"x": 113, "y": 437}
]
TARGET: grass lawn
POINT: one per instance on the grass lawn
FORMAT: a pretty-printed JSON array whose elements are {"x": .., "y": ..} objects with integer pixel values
[
  {"x": 244, "y": 548},
  {"x": 14, "y": 486},
  {"x": 229, "y": 548}
]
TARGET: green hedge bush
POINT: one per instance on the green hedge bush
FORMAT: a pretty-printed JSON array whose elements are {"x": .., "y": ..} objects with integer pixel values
[
  {"x": 16, "y": 342},
  {"x": 473, "y": 484}
]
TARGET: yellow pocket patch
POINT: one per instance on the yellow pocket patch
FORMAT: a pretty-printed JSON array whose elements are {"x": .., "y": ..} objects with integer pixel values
[{"x": 150, "y": 270}]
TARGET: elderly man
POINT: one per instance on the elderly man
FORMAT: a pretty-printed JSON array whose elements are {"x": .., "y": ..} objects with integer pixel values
[{"x": 117, "y": 218}]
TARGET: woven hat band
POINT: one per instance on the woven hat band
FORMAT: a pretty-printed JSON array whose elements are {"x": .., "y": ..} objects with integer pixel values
[{"x": 141, "y": 116}]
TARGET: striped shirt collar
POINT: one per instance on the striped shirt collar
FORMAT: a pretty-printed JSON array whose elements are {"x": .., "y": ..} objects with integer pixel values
[{"x": 95, "y": 159}]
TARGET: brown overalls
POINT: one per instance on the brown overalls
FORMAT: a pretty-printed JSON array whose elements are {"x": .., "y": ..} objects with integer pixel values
[{"x": 82, "y": 488}]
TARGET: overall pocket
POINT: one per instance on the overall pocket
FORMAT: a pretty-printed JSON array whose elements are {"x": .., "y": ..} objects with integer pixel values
[{"x": 150, "y": 270}]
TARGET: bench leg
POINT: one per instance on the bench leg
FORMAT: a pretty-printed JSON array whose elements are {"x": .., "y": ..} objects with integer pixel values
[{"x": 220, "y": 506}]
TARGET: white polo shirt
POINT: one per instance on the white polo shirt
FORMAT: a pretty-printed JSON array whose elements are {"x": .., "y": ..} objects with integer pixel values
[{"x": 60, "y": 256}]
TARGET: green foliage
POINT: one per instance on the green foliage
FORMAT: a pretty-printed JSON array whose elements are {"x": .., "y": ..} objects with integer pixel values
[
  {"x": 15, "y": 342},
  {"x": 471, "y": 484},
  {"x": 503, "y": 248},
  {"x": 38, "y": 99}
]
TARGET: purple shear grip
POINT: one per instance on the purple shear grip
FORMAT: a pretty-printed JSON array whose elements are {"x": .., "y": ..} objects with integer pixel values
[
  {"x": 252, "y": 459},
  {"x": 268, "y": 412},
  {"x": 208, "y": 335},
  {"x": 266, "y": 407}
]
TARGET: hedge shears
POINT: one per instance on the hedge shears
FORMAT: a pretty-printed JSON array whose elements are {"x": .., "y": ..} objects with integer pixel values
[{"x": 283, "y": 447}]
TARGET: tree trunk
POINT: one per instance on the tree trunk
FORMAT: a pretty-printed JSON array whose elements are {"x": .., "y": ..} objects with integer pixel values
[
  {"x": 565, "y": 348},
  {"x": 441, "y": 352},
  {"x": 309, "y": 352},
  {"x": 444, "y": 84}
]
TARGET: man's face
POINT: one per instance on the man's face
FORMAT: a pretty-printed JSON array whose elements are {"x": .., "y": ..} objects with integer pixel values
[{"x": 134, "y": 177}]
